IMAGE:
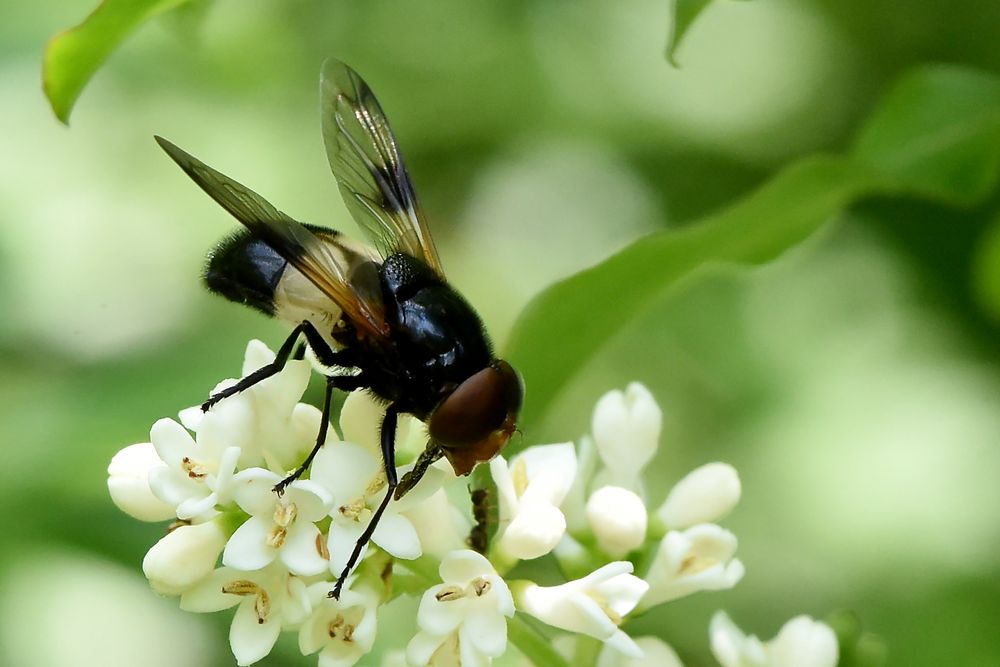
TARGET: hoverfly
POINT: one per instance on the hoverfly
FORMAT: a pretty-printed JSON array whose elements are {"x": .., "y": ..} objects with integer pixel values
[{"x": 386, "y": 313}]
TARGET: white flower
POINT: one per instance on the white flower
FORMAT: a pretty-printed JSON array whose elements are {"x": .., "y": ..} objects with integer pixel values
[
  {"x": 183, "y": 557},
  {"x": 618, "y": 520},
  {"x": 697, "y": 559},
  {"x": 802, "y": 642},
  {"x": 594, "y": 605},
  {"x": 626, "y": 429},
  {"x": 267, "y": 599},
  {"x": 705, "y": 495},
  {"x": 279, "y": 527},
  {"x": 464, "y": 617},
  {"x": 194, "y": 476},
  {"x": 530, "y": 491},
  {"x": 441, "y": 527},
  {"x": 344, "y": 629},
  {"x": 128, "y": 483},
  {"x": 265, "y": 421},
  {"x": 355, "y": 479},
  {"x": 655, "y": 653}
]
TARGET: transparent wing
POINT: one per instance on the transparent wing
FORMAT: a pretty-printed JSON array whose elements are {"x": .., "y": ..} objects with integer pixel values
[
  {"x": 329, "y": 268},
  {"x": 365, "y": 160}
]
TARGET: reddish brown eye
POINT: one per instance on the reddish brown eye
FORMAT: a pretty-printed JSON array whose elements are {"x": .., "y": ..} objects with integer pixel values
[{"x": 477, "y": 419}]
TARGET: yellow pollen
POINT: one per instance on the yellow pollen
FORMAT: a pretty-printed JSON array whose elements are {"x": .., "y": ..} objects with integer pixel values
[
  {"x": 241, "y": 587},
  {"x": 284, "y": 514},
  {"x": 609, "y": 612},
  {"x": 449, "y": 593},
  {"x": 693, "y": 563},
  {"x": 321, "y": 547},
  {"x": 353, "y": 509},
  {"x": 276, "y": 537},
  {"x": 194, "y": 469},
  {"x": 378, "y": 481},
  {"x": 334, "y": 628}
]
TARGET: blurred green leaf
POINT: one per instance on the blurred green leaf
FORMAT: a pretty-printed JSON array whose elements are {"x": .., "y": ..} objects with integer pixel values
[
  {"x": 986, "y": 270},
  {"x": 937, "y": 134},
  {"x": 857, "y": 647},
  {"x": 682, "y": 15},
  {"x": 72, "y": 56}
]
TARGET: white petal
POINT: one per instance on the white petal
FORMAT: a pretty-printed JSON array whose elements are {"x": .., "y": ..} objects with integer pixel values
[
  {"x": 440, "y": 618},
  {"x": 207, "y": 596},
  {"x": 626, "y": 429},
  {"x": 487, "y": 630},
  {"x": 396, "y": 534},
  {"x": 253, "y": 490},
  {"x": 172, "y": 442},
  {"x": 173, "y": 488},
  {"x": 803, "y": 642},
  {"x": 128, "y": 483},
  {"x": 183, "y": 557},
  {"x": 622, "y": 592},
  {"x": 727, "y": 641},
  {"x": 345, "y": 470},
  {"x": 461, "y": 567},
  {"x": 191, "y": 417},
  {"x": 706, "y": 494},
  {"x": 247, "y": 549},
  {"x": 655, "y": 653},
  {"x": 440, "y": 526},
  {"x": 249, "y": 639},
  {"x": 422, "y": 647},
  {"x": 197, "y": 507},
  {"x": 563, "y": 607},
  {"x": 428, "y": 485},
  {"x": 625, "y": 645},
  {"x": 314, "y": 632},
  {"x": 340, "y": 543},
  {"x": 257, "y": 355},
  {"x": 299, "y": 552},
  {"x": 618, "y": 520},
  {"x": 534, "y": 531},
  {"x": 311, "y": 500},
  {"x": 506, "y": 494},
  {"x": 470, "y": 656},
  {"x": 550, "y": 467},
  {"x": 360, "y": 419}
]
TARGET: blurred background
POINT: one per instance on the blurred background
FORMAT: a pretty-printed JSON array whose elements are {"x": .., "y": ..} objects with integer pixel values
[{"x": 854, "y": 382}]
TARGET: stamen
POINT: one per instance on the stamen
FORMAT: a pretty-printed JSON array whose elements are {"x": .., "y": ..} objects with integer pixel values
[
  {"x": 335, "y": 625},
  {"x": 449, "y": 593},
  {"x": 285, "y": 513},
  {"x": 276, "y": 537},
  {"x": 321, "y": 547},
  {"x": 194, "y": 469},
  {"x": 481, "y": 586},
  {"x": 262, "y": 605},
  {"x": 241, "y": 587}
]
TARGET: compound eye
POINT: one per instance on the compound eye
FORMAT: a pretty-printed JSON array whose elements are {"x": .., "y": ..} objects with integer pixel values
[{"x": 478, "y": 418}]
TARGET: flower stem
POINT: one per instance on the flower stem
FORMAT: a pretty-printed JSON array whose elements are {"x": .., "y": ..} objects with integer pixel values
[{"x": 532, "y": 645}]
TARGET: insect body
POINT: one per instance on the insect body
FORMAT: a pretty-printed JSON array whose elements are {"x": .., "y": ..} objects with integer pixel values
[{"x": 387, "y": 313}]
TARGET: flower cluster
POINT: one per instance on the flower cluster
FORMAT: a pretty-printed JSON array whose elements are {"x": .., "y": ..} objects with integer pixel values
[{"x": 235, "y": 543}]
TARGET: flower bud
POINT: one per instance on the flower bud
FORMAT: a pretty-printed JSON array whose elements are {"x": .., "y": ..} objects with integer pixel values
[
  {"x": 626, "y": 428},
  {"x": 594, "y": 605},
  {"x": 128, "y": 483},
  {"x": 183, "y": 557},
  {"x": 705, "y": 495},
  {"x": 655, "y": 653},
  {"x": 618, "y": 519},
  {"x": 802, "y": 642},
  {"x": 534, "y": 531}
]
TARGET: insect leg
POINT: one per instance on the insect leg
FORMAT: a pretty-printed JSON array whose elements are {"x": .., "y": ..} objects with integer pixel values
[
  {"x": 388, "y": 437},
  {"x": 343, "y": 382},
  {"x": 280, "y": 359}
]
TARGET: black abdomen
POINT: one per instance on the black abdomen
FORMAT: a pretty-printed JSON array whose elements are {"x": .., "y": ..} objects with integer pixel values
[{"x": 245, "y": 270}]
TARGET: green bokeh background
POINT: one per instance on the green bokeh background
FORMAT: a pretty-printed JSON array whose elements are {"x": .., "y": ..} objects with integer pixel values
[{"x": 854, "y": 382}]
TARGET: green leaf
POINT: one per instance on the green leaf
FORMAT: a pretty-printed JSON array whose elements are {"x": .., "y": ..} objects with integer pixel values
[
  {"x": 935, "y": 135},
  {"x": 938, "y": 133},
  {"x": 72, "y": 56},
  {"x": 682, "y": 14}
]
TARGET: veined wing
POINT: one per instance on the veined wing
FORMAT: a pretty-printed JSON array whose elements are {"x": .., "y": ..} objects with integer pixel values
[
  {"x": 369, "y": 169},
  {"x": 330, "y": 272}
]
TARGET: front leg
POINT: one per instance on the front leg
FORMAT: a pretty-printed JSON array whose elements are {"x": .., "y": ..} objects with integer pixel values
[
  {"x": 323, "y": 352},
  {"x": 388, "y": 437}
]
